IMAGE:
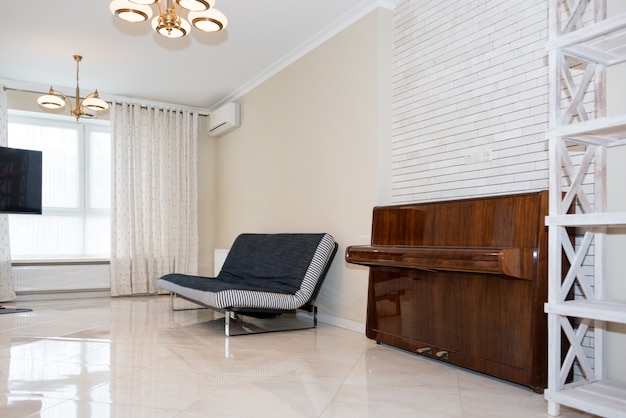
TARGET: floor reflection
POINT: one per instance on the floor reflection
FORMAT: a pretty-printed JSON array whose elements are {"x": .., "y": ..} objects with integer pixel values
[{"x": 133, "y": 357}]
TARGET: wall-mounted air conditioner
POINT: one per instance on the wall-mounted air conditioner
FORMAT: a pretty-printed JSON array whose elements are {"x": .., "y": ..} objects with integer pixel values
[{"x": 224, "y": 119}]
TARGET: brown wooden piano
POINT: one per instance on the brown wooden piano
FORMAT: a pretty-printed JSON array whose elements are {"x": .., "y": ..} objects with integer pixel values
[{"x": 462, "y": 281}]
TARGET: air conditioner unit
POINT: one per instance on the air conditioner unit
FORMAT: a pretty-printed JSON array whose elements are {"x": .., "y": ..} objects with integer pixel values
[{"x": 224, "y": 119}]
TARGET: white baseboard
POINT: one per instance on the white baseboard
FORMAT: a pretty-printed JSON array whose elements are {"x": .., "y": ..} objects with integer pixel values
[{"x": 342, "y": 323}]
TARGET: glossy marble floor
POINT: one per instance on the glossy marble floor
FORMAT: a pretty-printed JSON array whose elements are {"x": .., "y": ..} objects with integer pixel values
[{"x": 132, "y": 357}]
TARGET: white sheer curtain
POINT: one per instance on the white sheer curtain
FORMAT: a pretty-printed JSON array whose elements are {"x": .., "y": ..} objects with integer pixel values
[
  {"x": 154, "y": 211},
  {"x": 7, "y": 291}
]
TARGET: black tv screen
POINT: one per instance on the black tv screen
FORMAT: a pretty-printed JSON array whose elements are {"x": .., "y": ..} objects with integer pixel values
[{"x": 20, "y": 180}]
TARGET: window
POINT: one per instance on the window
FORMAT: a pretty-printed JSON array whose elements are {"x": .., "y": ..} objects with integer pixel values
[{"x": 76, "y": 195}]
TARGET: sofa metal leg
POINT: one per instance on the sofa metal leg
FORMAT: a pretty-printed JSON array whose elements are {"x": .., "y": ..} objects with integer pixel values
[
  {"x": 175, "y": 296},
  {"x": 239, "y": 323},
  {"x": 228, "y": 315}
]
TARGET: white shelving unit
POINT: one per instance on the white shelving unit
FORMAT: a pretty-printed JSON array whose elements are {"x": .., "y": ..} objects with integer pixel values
[{"x": 581, "y": 47}]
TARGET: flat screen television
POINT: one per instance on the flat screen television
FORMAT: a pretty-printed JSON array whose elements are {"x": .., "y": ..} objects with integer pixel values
[{"x": 20, "y": 180}]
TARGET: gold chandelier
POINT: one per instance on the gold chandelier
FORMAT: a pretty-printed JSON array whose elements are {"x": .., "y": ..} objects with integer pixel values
[
  {"x": 169, "y": 22},
  {"x": 85, "y": 108}
]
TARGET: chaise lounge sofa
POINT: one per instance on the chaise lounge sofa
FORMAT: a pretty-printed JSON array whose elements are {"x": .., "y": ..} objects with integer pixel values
[{"x": 264, "y": 276}]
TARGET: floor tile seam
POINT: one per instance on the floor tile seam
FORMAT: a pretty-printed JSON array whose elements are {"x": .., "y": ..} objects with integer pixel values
[
  {"x": 466, "y": 395},
  {"x": 65, "y": 335},
  {"x": 474, "y": 393},
  {"x": 343, "y": 382},
  {"x": 190, "y": 371},
  {"x": 310, "y": 361},
  {"x": 292, "y": 379},
  {"x": 37, "y": 324},
  {"x": 132, "y": 402},
  {"x": 73, "y": 339},
  {"x": 136, "y": 376},
  {"x": 253, "y": 372},
  {"x": 128, "y": 403},
  {"x": 230, "y": 383},
  {"x": 405, "y": 387},
  {"x": 46, "y": 360},
  {"x": 174, "y": 412},
  {"x": 235, "y": 412}
]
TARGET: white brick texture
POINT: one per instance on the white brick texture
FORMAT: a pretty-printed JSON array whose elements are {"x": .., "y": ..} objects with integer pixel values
[{"x": 469, "y": 76}]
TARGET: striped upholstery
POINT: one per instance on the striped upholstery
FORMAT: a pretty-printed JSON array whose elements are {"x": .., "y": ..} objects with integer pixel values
[{"x": 262, "y": 271}]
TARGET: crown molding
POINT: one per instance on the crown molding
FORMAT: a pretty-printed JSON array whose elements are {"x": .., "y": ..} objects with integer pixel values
[{"x": 388, "y": 4}]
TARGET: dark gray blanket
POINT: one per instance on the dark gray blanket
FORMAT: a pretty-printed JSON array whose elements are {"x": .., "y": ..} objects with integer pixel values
[{"x": 262, "y": 262}]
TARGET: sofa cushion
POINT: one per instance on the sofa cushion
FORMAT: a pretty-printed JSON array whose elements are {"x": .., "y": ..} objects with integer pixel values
[{"x": 275, "y": 262}]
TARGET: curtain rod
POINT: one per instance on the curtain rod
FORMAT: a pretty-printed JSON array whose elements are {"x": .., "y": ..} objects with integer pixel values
[{"x": 200, "y": 111}]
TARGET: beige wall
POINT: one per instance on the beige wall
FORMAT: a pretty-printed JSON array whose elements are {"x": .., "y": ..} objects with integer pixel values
[{"x": 306, "y": 157}]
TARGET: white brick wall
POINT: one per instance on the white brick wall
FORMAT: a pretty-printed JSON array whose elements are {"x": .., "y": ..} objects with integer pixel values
[{"x": 467, "y": 77}]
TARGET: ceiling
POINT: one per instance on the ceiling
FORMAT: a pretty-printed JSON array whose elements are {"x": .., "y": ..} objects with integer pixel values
[{"x": 202, "y": 70}]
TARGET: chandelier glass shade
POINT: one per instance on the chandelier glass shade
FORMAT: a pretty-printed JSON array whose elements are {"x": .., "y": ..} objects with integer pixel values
[
  {"x": 85, "y": 108},
  {"x": 169, "y": 20}
]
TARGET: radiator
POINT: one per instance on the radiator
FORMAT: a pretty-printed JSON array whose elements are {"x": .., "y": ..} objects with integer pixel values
[
  {"x": 219, "y": 256},
  {"x": 60, "y": 277}
]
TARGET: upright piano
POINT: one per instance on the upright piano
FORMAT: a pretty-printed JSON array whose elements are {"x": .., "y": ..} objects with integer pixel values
[{"x": 462, "y": 281}]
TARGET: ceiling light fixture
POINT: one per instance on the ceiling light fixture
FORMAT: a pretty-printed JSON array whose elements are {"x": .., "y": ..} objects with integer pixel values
[
  {"x": 170, "y": 22},
  {"x": 85, "y": 108}
]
